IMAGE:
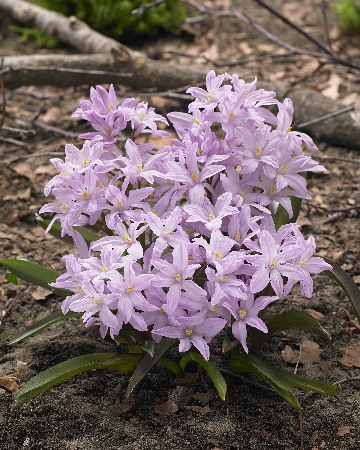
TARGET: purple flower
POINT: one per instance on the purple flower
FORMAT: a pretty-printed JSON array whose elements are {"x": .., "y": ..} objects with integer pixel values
[
  {"x": 211, "y": 215},
  {"x": 273, "y": 264},
  {"x": 246, "y": 313},
  {"x": 175, "y": 276},
  {"x": 196, "y": 334}
]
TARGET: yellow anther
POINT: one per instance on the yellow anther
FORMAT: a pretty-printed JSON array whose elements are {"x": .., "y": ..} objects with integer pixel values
[
  {"x": 273, "y": 264},
  {"x": 196, "y": 121},
  {"x": 64, "y": 207},
  {"x": 242, "y": 313},
  {"x": 129, "y": 289},
  {"x": 223, "y": 278},
  {"x": 188, "y": 331},
  {"x": 111, "y": 108},
  {"x": 303, "y": 262},
  {"x": 237, "y": 236},
  {"x": 127, "y": 238},
  {"x": 241, "y": 194},
  {"x": 257, "y": 150},
  {"x": 200, "y": 152},
  {"x": 168, "y": 180},
  {"x": 218, "y": 255},
  {"x": 119, "y": 203},
  {"x": 283, "y": 167},
  {"x": 97, "y": 302},
  {"x": 213, "y": 308},
  {"x": 211, "y": 216},
  {"x": 190, "y": 257},
  {"x": 154, "y": 212},
  {"x": 108, "y": 131},
  {"x": 231, "y": 115},
  {"x": 104, "y": 269},
  {"x": 85, "y": 161},
  {"x": 139, "y": 166},
  {"x": 79, "y": 288},
  {"x": 288, "y": 129},
  {"x": 273, "y": 189},
  {"x": 101, "y": 185},
  {"x": 209, "y": 97},
  {"x": 161, "y": 310},
  {"x": 84, "y": 194},
  {"x": 177, "y": 277},
  {"x": 167, "y": 233},
  {"x": 194, "y": 176}
]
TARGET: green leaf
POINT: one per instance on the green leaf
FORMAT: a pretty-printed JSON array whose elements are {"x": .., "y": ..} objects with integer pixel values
[
  {"x": 29, "y": 271},
  {"x": 346, "y": 283},
  {"x": 228, "y": 344},
  {"x": 211, "y": 369},
  {"x": 148, "y": 362},
  {"x": 68, "y": 369},
  {"x": 282, "y": 382},
  {"x": 293, "y": 320},
  {"x": 56, "y": 374},
  {"x": 170, "y": 364},
  {"x": 46, "y": 322},
  {"x": 123, "y": 363},
  {"x": 281, "y": 216},
  {"x": 56, "y": 231},
  {"x": 12, "y": 278}
]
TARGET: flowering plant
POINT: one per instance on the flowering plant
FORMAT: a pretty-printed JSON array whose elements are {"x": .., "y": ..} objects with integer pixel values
[{"x": 195, "y": 239}]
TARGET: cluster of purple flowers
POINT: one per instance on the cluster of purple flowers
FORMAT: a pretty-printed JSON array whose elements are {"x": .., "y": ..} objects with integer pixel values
[{"x": 190, "y": 245}]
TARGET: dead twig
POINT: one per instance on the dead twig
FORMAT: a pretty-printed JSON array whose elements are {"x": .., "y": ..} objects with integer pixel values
[
  {"x": 293, "y": 25},
  {"x": 13, "y": 141},
  {"x": 348, "y": 380},
  {"x": 143, "y": 8},
  {"x": 337, "y": 158},
  {"x": 334, "y": 210},
  {"x": 31, "y": 155},
  {"x": 326, "y": 116}
]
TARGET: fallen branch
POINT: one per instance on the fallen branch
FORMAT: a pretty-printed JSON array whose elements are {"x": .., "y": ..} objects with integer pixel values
[{"x": 112, "y": 62}]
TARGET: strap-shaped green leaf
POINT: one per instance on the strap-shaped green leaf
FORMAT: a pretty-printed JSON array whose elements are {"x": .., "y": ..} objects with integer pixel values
[
  {"x": 282, "y": 382},
  {"x": 211, "y": 369},
  {"x": 68, "y": 369},
  {"x": 148, "y": 362},
  {"x": 46, "y": 322},
  {"x": 29, "y": 271},
  {"x": 281, "y": 216},
  {"x": 56, "y": 231},
  {"x": 293, "y": 320},
  {"x": 54, "y": 375},
  {"x": 346, "y": 283}
]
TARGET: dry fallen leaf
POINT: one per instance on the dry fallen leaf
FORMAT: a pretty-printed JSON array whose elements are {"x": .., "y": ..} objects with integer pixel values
[
  {"x": 310, "y": 353},
  {"x": 200, "y": 409},
  {"x": 352, "y": 356},
  {"x": 9, "y": 382},
  {"x": 21, "y": 368},
  {"x": 204, "y": 397},
  {"x": 21, "y": 194},
  {"x": 40, "y": 293},
  {"x": 167, "y": 408},
  {"x": 332, "y": 89},
  {"x": 344, "y": 430},
  {"x": 316, "y": 314}
]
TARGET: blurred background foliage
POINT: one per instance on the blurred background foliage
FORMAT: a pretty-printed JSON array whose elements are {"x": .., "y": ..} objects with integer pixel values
[{"x": 113, "y": 18}]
